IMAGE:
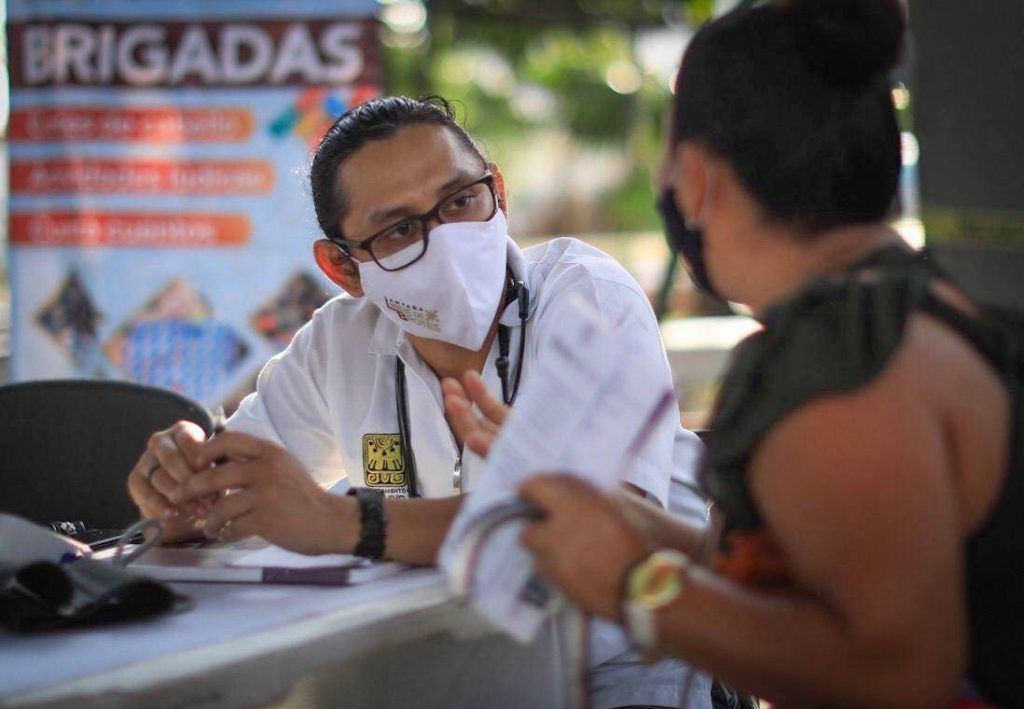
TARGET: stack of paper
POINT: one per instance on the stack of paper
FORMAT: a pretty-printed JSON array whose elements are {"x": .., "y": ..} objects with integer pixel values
[
  {"x": 272, "y": 564},
  {"x": 585, "y": 410}
]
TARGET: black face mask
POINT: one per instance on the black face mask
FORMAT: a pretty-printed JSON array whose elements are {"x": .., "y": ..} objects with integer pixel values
[{"x": 687, "y": 242}]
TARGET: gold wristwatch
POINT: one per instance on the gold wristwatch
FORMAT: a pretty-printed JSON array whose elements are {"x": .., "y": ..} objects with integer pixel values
[{"x": 653, "y": 584}]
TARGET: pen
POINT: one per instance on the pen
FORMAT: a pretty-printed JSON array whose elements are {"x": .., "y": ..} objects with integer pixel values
[
  {"x": 219, "y": 426},
  {"x": 219, "y": 421}
]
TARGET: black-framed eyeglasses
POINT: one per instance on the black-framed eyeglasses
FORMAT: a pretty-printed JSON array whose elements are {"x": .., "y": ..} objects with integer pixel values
[{"x": 402, "y": 244}]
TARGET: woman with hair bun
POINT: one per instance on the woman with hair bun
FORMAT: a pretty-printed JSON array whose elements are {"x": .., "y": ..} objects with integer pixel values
[{"x": 864, "y": 458}]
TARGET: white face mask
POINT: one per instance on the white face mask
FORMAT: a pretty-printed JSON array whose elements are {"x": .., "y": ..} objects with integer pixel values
[{"x": 453, "y": 292}]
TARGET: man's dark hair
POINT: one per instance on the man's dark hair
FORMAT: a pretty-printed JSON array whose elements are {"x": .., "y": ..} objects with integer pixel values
[
  {"x": 374, "y": 120},
  {"x": 795, "y": 96}
]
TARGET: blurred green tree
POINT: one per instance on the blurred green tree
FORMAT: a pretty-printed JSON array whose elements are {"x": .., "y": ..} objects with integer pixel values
[
  {"x": 521, "y": 67},
  {"x": 567, "y": 93}
]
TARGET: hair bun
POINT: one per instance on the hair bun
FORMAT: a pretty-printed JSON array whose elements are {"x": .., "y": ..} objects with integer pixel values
[{"x": 849, "y": 42}]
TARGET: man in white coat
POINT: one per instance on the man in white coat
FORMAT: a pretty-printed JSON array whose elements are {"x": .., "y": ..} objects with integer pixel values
[{"x": 416, "y": 235}]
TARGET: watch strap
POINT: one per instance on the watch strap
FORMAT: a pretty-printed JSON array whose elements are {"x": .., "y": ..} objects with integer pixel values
[
  {"x": 650, "y": 586},
  {"x": 373, "y": 523},
  {"x": 642, "y": 625}
]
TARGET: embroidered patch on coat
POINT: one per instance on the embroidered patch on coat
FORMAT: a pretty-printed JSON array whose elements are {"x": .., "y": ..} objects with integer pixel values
[{"x": 383, "y": 461}]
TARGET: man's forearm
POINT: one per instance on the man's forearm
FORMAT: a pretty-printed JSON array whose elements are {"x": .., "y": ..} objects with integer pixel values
[
  {"x": 662, "y": 529},
  {"x": 416, "y": 528}
]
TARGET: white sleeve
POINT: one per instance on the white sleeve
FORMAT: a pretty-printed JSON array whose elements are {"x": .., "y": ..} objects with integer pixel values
[
  {"x": 288, "y": 407},
  {"x": 630, "y": 315},
  {"x": 685, "y": 499}
]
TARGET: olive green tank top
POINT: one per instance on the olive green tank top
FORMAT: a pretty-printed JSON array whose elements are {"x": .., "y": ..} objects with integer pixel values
[{"x": 836, "y": 335}]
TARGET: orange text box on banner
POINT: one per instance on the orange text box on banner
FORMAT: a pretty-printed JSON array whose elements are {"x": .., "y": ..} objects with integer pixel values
[
  {"x": 187, "y": 177},
  {"x": 133, "y": 125},
  {"x": 129, "y": 230}
]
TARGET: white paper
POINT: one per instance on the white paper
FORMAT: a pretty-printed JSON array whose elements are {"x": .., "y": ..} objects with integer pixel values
[
  {"x": 23, "y": 542},
  {"x": 278, "y": 558},
  {"x": 586, "y": 411}
]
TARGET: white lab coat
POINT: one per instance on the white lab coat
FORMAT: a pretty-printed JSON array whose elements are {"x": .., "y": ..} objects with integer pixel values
[{"x": 329, "y": 399}]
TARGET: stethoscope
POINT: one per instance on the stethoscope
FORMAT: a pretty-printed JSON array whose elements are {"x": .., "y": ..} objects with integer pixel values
[{"x": 516, "y": 289}]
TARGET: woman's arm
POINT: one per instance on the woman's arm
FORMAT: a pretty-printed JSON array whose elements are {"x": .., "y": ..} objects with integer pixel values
[{"x": 859, "y": 493}]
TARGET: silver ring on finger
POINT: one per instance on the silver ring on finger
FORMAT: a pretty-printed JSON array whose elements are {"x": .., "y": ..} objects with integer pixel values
[{"x": 151, "y": 472}]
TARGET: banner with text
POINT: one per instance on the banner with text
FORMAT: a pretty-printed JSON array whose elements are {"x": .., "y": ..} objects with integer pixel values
[{"x": 160, "y": 220}]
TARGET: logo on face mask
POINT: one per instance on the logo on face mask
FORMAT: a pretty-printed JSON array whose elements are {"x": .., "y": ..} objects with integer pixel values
[
  {"x": 413, "y": 314},
  {"x": 452, "y": 293},
  {"x": 383, "y": 461}
]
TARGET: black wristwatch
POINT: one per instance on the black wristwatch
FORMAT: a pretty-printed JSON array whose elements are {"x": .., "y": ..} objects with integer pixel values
[{"x": 373, "y": 523}]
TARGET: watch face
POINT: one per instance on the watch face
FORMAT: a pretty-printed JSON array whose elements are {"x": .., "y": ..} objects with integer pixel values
[{"x": 657, "y": 581}]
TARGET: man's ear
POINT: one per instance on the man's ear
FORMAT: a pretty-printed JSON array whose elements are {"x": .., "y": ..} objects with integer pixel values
[
  {"x": 499, "y": 187},
  {"x": 338, "y": 266}
]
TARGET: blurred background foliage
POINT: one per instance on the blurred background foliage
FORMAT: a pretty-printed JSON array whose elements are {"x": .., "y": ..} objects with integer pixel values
[{"x": 567, "y": 96}]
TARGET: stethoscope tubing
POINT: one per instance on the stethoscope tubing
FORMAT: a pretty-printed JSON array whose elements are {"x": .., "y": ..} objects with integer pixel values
[{"x": 509, "y": 397}]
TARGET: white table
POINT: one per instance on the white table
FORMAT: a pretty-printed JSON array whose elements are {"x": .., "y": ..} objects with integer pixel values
[{"x": 396, "y": 642}]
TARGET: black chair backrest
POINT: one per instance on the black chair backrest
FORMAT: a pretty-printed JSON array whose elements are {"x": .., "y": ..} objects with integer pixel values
[{"x": 67, "y": 446}]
